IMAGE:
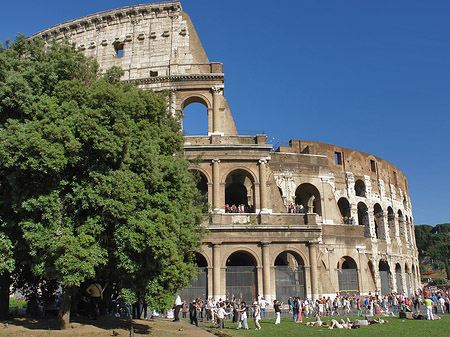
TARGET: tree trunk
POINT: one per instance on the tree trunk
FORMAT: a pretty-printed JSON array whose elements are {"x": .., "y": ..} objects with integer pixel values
[
  {"x": 64, "y": 308},
  {"x": 5, "y": 283}
]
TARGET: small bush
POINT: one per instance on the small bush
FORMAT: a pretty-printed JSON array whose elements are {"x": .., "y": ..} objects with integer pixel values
[{"x": 15, "y": 303}]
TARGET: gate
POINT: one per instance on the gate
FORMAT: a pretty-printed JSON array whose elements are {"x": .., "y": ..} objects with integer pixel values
[
  {"x": 289, "y": 282},
  {"x": 385, "y": 286},
  {"x": 241, "y": 282},
  {"x": 408, "y": 285},
  {"x": 398, "y": 276},
  {"x": 197, "y": 288},
  {"x": 348, "y": 282}
]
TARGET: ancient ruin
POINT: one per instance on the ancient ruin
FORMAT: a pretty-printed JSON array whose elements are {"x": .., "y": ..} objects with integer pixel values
[{"x": 310, "y": 219}]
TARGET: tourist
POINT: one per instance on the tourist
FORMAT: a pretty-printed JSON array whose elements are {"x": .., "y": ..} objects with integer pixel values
[
  {"x": 96, "y": 293},
  {"x": 263, "y": 304},
  {"x": 242, "y": 313},
  {"x": 193, "y": 308},
  {"x": 221, "y": 313},
  {"x": 256, "y": 315},
  {"x": 177, "y": 307},
  {"x": 429, "y": 305},
  {"x": 276, "y": 307}
]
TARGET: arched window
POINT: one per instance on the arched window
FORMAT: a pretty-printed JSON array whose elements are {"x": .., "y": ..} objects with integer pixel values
[
  {"x": 240, "y": 192},
  {"x": 391, "y": 223},
  {"x": 363, "y": 218},
  {"x": 398, "y": 277},
  {"x": 345, "y": 209},
  {"x": 195, "y": 117},
  {"x": 360, "y": 188},
  {"x": 308, "y": 196},
  {"x": 379, "y": 222},
  {"x": 202, "y": 186},
  {"x": 401, "y": 224}
]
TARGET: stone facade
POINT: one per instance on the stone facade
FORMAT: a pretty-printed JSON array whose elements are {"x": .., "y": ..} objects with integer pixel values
[{"x": 355, "y": 231}]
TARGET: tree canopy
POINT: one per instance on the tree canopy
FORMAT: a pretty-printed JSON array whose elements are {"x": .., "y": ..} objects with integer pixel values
[{"x": 93, "y": 181}]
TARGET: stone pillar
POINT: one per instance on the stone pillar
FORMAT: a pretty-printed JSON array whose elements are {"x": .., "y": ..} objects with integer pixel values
[
  {"x": 216, "y": 270},
  {"x": 314, "y": 277},
  {"x": 267, "y": 291},
  {"x": 263, "y": 186},
  {"x": 216, "y": 185},
  {"x": 217, "y": 95}
]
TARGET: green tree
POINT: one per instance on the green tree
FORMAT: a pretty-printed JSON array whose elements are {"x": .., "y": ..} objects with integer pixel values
[{"x": 92, "y": 177}]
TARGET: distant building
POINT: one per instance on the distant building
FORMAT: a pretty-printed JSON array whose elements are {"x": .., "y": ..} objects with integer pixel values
[{"x": 309, "y": 219}]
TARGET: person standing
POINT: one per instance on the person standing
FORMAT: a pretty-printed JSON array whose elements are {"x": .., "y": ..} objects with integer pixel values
[
  {"x": 429, "y": 305},
  {"x": 276, "y": 307},
  {"x": 177, "y": 306},
  {"x": 263, "y": 304},
  {"x": 96, "y": 293},
  {"x": 256, "y": 315},
  {"x": 242, "y": 313},
  {"x": 193, "y": 313},
  {"x": 221, "y": 315}
]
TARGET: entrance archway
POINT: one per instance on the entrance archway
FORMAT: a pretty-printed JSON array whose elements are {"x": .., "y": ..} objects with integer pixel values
[
  {"x": 385, "y": 272},
  {"x": 241, "y": 276},
  {"x": 199, "y": 287},
  {"x": 308, "y": 196},
  {"x": 348, "y": 276},
  {"x": 398, "y": 277},
  {"x": 289, "y": 276}
]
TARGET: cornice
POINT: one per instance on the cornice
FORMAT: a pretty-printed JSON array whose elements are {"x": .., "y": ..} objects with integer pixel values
[{"x": 178, "y": 78}]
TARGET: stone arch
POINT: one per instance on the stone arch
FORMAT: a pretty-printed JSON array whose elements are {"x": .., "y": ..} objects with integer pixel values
[
  {"x": 360, "y": 188},
  {"x": 385, "y": 275},
  {"x": 242, "y": 249},
  {"x": 309, "y": 196},
  {"x": 407, "y": 279},
  {"x": 391, "y": 223},
  {"x": 363, "y": 218},
  {"x": 347, "y": 270},
  {"x": 398, "y": 278},
  {"x": 345, "y": 209},
  {"x": 294, "y": 250},
  {"x": 196, "y": 120},
  {"x": 199, "y": 286},
  {"x": 241, "y": 275},
  {"x": 378, "y": 217},
  {"x": 240, "y": 189},
  {"x": 401, "y": 224},
  {"x": 202, "y": 182},
  {"x": 289, "y": 275}
]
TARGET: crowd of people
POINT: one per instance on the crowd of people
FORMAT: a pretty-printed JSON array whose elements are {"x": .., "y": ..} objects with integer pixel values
[
  {"x": 239, "y": 209},
  {"x": 294, "y": 208},
  {"x": 369, "y": 308}
]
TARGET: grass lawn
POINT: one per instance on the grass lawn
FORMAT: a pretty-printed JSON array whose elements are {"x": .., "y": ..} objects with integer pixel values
[{"x": 396, "y": 327}]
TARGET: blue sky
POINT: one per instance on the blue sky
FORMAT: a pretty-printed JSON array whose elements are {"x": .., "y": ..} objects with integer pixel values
[{"x": 367, "y": 75}]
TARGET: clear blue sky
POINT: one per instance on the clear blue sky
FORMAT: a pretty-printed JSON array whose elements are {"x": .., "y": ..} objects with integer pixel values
[{"x": 367, "y": 75}]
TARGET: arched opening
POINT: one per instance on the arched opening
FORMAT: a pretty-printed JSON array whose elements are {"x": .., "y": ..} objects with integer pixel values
[
  {"x": 363, "y": 218},
  {"x": 398, "y": 277},
  {"x": 198, "y": 287},
  {"x": 345, "y": 209},
  {"x": 241, "y": 276},
  {"x": 240, "y": 192},
  {"x": 195, "y": 117},
  {"x": 202, "y": 186},
  {"x": 408, "y": 281},
  {"x": 385, "y": 272},
  {"x": 348, "y": 276},
  {"x": 405, "y": 202},
  {"x": 391, "y": 223},
  {"x": 379, "y": 222},
  {"x": 360, "y": 188},
  {"x": 289, "y": 276},
  {"x": 414, "y": 276},
  {"x": 401, "y": 224},
  {"x": 308, "y": 196}
]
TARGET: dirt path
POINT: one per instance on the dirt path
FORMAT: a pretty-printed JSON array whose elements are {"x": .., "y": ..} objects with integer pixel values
[{"x": 104, "y": 326}]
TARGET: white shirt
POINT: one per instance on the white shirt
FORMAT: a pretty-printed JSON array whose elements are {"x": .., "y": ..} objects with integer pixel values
[{"x": 178, "y": 300}]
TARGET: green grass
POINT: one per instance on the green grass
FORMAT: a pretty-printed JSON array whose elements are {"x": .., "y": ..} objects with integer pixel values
[
  {"x": 17, "y": 304},
  {"x": 396, "y": 327}
]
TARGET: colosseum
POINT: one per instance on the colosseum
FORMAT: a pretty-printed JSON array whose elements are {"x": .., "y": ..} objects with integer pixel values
[{"x": 308, "y": 219}]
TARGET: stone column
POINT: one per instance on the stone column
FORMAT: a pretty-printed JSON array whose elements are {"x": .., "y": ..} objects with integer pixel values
[
  {"x": 217, "y": 95},
  {"x": 313, "y": 246},
  {"x": 265, "y": 245},
  {"x": 216, "y": 270},
  {"x": 216, "y": 185},
  {"x": 263, "y": 186}
]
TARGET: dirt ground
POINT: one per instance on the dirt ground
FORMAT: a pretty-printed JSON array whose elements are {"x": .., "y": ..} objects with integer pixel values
[{"x": 104, "y": 326}]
